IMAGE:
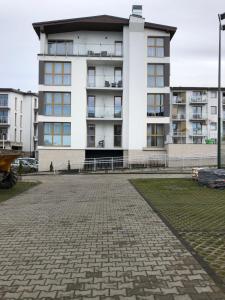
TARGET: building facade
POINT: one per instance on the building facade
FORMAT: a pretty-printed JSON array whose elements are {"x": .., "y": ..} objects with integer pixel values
[
  {"x": 18, "y": 120},
  {"x": 194, "y": 115},
  {"x": 104, "y": 88}
]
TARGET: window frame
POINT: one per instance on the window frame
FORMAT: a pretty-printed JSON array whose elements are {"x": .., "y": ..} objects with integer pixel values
[
  {"x": 53, "y": 74},
  {"x": 155, "y": 47},
  {"x": 155, "y": 136},
  {"x": 56, "y": 42},
  {"x": 161, "y": 106},
  {"x": 52, "y": 134},
  {"x": 53, "y": 105},
  {"x": 155, "y": 75}
]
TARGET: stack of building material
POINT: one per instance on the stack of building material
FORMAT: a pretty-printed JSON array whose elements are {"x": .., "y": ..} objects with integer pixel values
[{"x": 213, "y": 178}]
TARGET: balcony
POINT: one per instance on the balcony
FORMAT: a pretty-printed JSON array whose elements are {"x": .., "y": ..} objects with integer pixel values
[
  {"x": 179, "y": 117},
  {"x": 67, "y": 48},
  {"x": 198, "y": 132},
  {"x": 198, "y": 117},
  {"x": 4, "y": 120},
  {"x": 198, "y": 100},
  {"x": 104, "y": 112},
  {"x": 104, "y": 82},
  {"x": 178, "y": 100}
]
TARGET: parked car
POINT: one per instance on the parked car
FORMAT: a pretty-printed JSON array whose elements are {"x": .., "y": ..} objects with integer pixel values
[
  {"x": 26, "y": 165},
  {"x": 30, "y": 160}
]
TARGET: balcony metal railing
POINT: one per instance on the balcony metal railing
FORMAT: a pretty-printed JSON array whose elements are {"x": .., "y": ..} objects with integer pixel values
[
  {"x": 104, "y": 142},
  {"x": 178, "y": 100},
  {"x": 179, "y": 116},
  {"x": 198, "y": 116},
  {"x": 3, "y": 120},
  {"x": 87, "y": 49},
  {"x": 104, "y": 112},
  {"x": 104, "y": 81},
  {"x": 198, "y": 99}
]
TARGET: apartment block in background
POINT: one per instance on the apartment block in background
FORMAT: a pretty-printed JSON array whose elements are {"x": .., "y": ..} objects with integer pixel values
[
  {"x": 104, "y": 88},
  {"x": 194, "y": 115},
  {"x": 18, "y": 120}
]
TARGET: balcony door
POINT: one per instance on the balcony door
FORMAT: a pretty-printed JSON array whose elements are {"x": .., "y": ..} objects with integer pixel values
[
  {"x": 197, "y": 112},
  {"x": 91, "y": 77},
  {"x": 91, "y": 135},
  {"x": 91, "y": 106},
  {"x": 117, "y": 75}
]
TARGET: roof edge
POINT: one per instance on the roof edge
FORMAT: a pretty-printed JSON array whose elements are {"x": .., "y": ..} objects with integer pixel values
[{"x": 17, "y": 91}]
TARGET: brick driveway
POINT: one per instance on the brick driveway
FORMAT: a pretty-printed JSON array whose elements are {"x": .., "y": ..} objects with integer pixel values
[{"x": 80, "y": 237}]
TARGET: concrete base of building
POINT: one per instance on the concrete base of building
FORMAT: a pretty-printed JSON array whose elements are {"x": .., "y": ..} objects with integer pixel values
[{"x": 60, "y": 158}]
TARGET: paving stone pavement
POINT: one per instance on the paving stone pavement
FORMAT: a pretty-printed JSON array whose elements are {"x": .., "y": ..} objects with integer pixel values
[{"x": 93, "y": 237}]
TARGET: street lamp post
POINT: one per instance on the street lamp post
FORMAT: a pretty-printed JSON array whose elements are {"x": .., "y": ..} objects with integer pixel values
[{"x": 221, "y": 27}]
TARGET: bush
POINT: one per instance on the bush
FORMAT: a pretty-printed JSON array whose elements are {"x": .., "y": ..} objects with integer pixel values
[{"x": 51, "y": 168}]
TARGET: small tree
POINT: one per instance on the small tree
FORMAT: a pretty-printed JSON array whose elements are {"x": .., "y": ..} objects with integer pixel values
[
  {"x": 68, "y": 166},
  {"x": 20, "y": 168},
  {"x": 51, "y": 168}
]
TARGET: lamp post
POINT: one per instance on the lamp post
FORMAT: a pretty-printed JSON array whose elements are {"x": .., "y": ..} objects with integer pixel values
[{"x": 221, "y": 27}]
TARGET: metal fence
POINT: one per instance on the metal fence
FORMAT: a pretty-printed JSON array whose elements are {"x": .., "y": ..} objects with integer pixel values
[{"x": 138, "y": 162}]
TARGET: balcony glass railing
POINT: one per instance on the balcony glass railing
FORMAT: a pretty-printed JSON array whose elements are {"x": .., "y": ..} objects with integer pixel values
[
  {"x": 178, "y": 100},
  {"x": 104, "y": 142},
  {"x": 104, "y": 112},
  {"x": 179, "y": 116},
  {"x": 85, "y": 49},
  {"x": 198, "y": 132},
  {"x": 104, "y": 81},
  {"x": 198, "y": 116},
  {"x": 3, "y": 120},
  {"x": 198, "y": 99}
]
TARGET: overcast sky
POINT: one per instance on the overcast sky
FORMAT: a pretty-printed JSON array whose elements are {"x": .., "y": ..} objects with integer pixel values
[{"x": 194, "y": 48}]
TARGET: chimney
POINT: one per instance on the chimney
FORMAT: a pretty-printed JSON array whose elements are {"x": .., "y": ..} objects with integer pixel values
[{"x": 137, "y": 10}]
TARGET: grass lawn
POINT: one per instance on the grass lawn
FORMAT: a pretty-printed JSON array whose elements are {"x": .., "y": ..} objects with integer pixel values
[
  {"x": 197, "y": 213},
  {"x": 20, "y": 187}
]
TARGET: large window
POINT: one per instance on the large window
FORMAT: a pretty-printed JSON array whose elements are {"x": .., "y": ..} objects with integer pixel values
[
  {"x": 91, "y": 106},
  {"x": 117, "y": 135},
  {"x": 57, "y": 73},
  {"x": 155, "y": 135},
  {"x": 57, "y": 104},
  {"x": 3, "y": 116},
  {"x": 197, "y": 128},
  {"x": 4, "y": 100},
  {"x": 60, "y": 47},
  {"x": 155, "y": 105},
  {"x": 155, "y": 47},
  {"x": 57, "y": 134},
  {"x": 155, "y": 75}
]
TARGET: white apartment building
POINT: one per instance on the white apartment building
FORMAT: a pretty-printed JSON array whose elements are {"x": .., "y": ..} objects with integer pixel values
[
  {"x": 194, "y": 115},
  {"x": 104, "y": 88},
  {"x": 18, "y": 120}
]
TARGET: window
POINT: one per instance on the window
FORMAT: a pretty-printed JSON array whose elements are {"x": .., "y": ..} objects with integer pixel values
[
  {"x": 15, "y": 103},
  {"x": 117, "y": 106},
  {"x": 57, "y": 104},
  {"x": 155, "y": 75},
  {"x": 197, "y": 128},
  {"x": 15, "y": 119},
  {"x": 155, "y": 47},
  {"x": 196, "y": 112},
  {"x": 213, "y": 126},
  {"x": 155, "y": 135},
  {"x": 57, "y": 73},
  {"x": 20, "y": 136},
  {"x": 155, "y": 106},
  {"x": 117, "y": 135},
  {"x": 3, "y": 134},
  {"x": 3, "y": 116},
  {"x": 91, "y": 106},
  {"x": 118, "y": 49},
  {"x": 35, "y": 103},
  {"x": 91, "y": 76},
  {"x": 3, "y": 100},
  {"x": 213, "y": 94},
  {"x": 60, "y": 47},
  {"x": 21, "y": 106},
  {"x": 213, "y": 110},
  {"x": 91, "y": 135},
  {"x": 15, "y": 135},
  {"x": 21, "y": 121},
  {"x": 57, "y": 134},
  {"x": 117, "y": 75}
]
